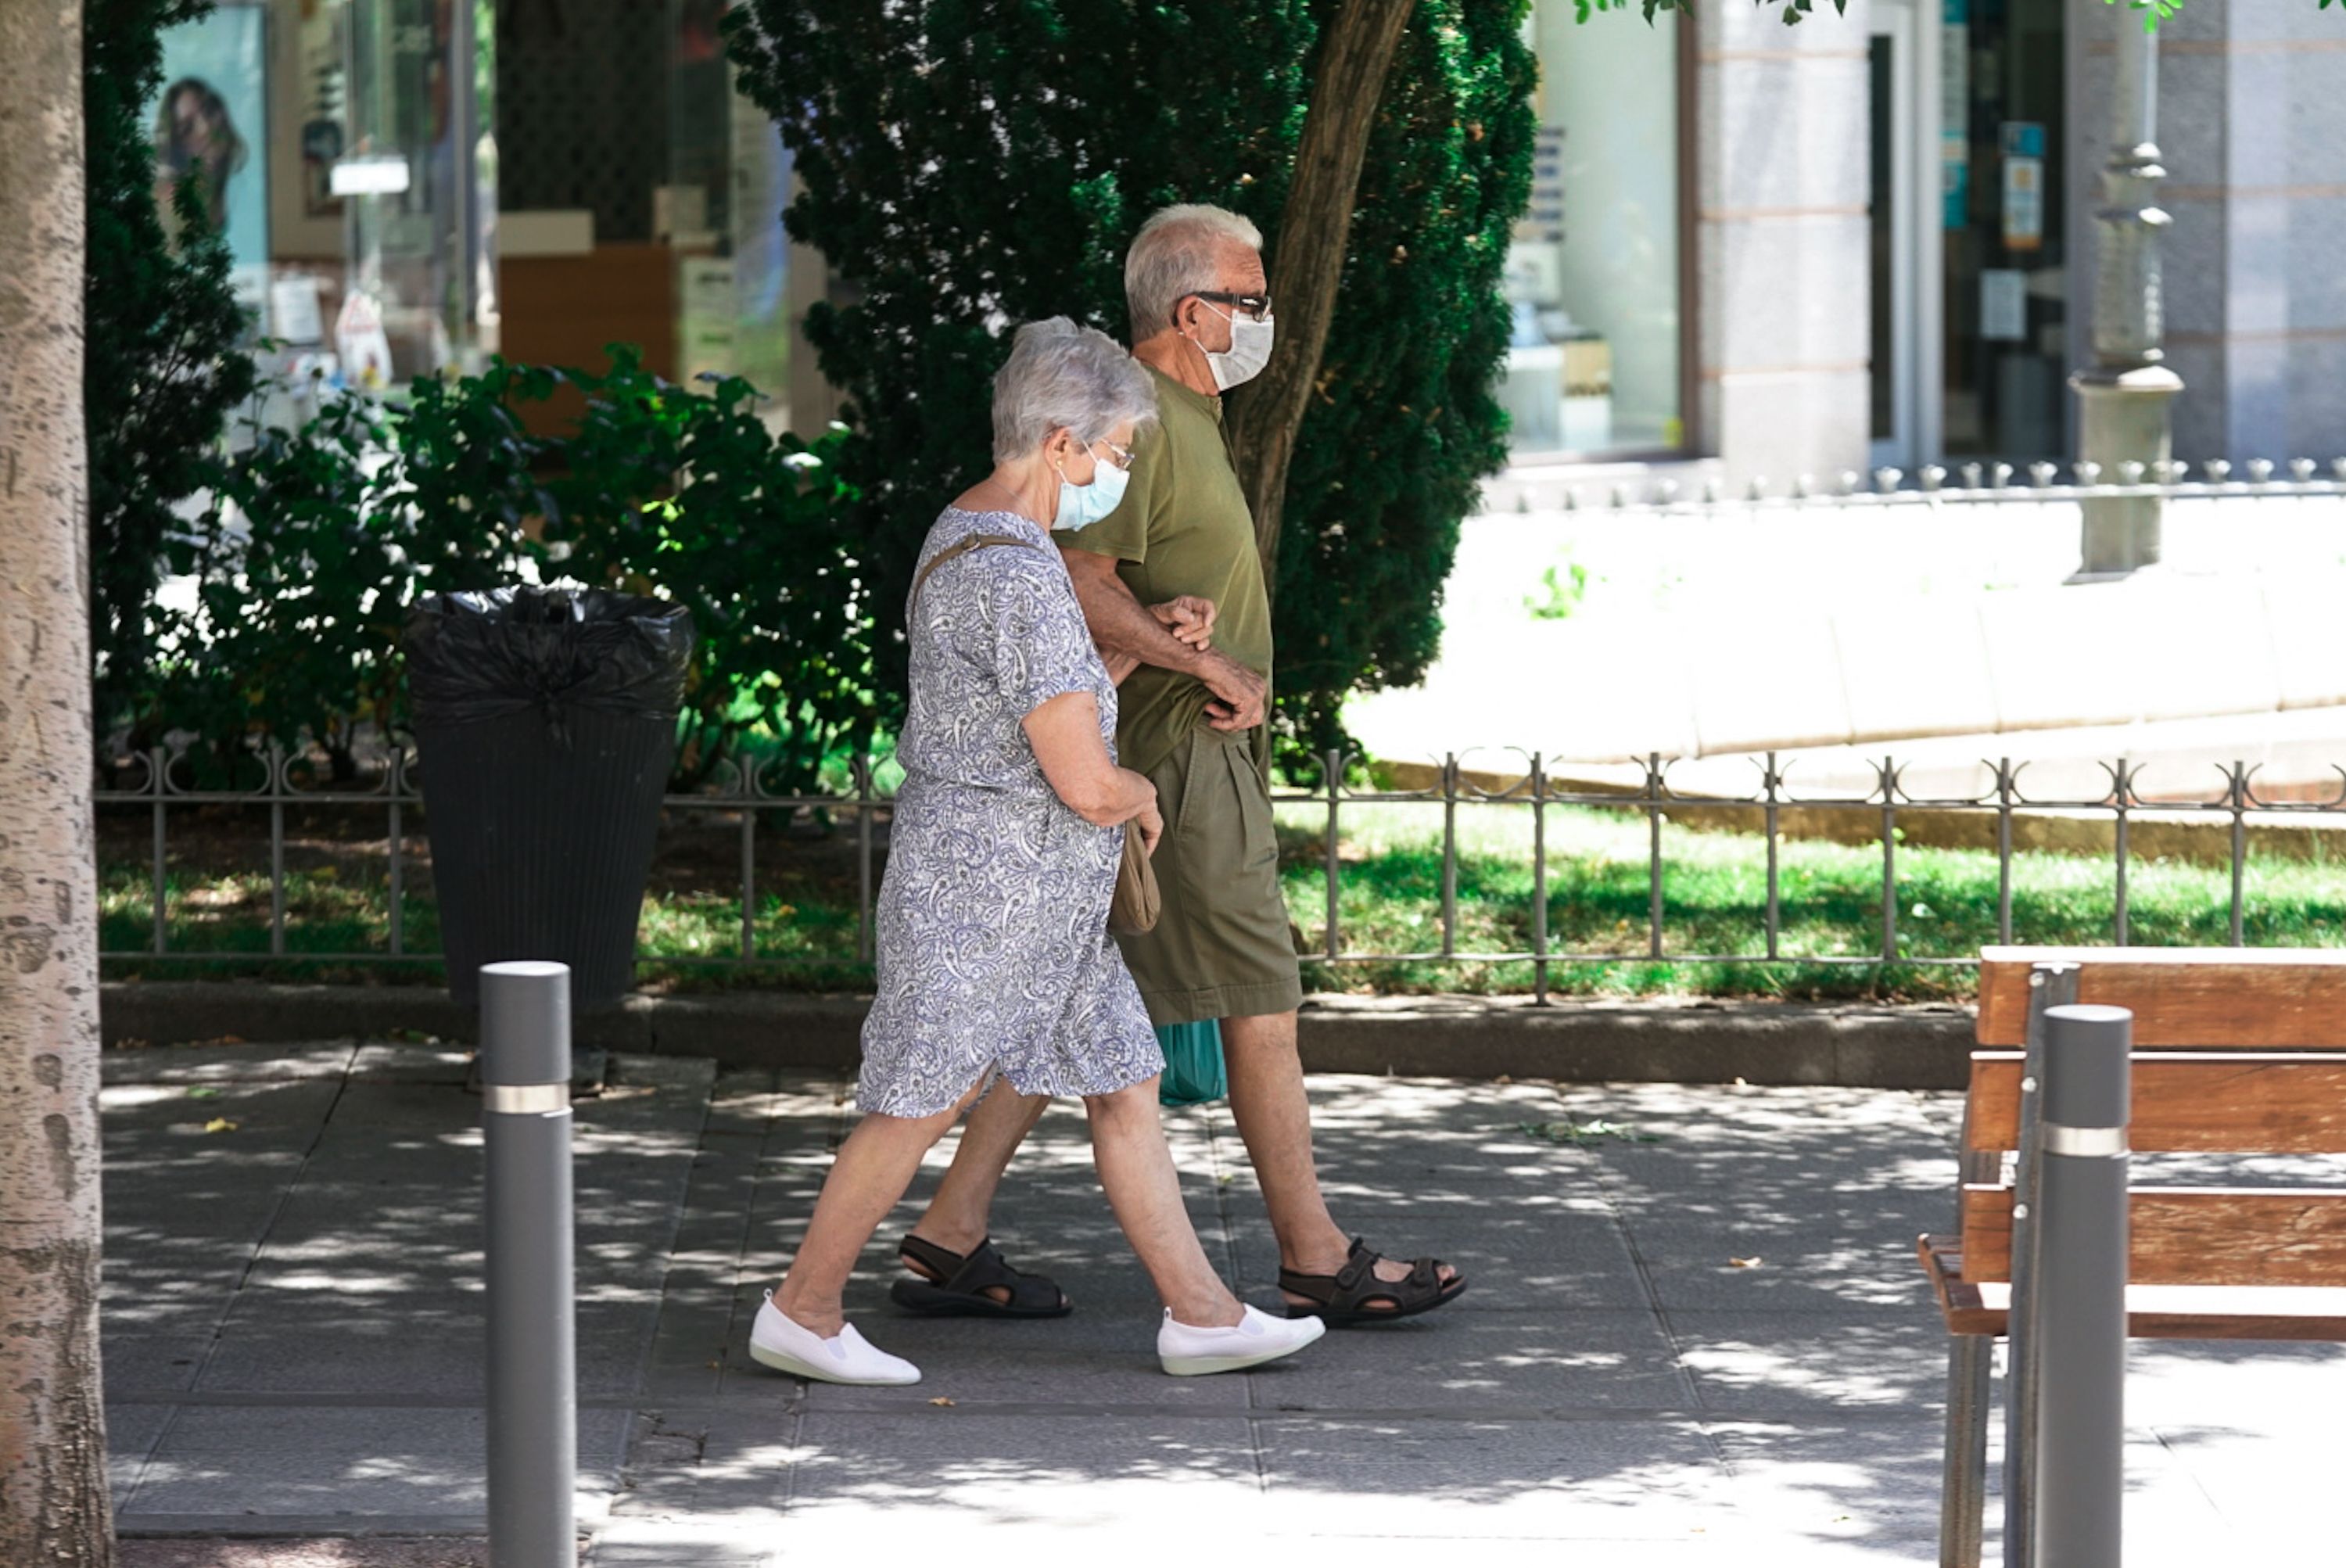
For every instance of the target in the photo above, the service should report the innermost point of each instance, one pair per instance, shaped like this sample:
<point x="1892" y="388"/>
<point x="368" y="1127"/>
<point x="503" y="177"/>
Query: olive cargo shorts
<point x="1221" y="948"/>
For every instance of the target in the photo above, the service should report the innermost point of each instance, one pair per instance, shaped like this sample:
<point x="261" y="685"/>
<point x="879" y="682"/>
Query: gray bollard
<point x="533" y="1363"/>
<point x="2080" y="1297"/>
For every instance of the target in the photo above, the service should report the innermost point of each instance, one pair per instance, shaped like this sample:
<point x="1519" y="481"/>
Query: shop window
<point x="341" y="147"/>
<point x="1595" y="367"/>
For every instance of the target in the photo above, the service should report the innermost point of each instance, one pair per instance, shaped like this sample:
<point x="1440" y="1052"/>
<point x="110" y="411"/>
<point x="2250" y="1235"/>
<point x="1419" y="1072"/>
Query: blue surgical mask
<point x="1081" y="506"/>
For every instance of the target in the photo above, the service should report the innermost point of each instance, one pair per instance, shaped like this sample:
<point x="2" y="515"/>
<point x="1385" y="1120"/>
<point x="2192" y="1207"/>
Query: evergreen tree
<point x="164" y="366"/>
<point x="971" y="164"/>
<point x="1394" y="449"/>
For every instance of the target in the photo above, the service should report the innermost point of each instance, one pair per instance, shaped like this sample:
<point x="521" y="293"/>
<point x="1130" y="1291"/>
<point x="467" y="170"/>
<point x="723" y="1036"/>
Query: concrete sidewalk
<point x="293" y="1345"/>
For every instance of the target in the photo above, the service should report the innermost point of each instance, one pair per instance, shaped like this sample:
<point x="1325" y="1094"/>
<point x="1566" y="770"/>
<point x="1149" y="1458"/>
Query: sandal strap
<point x="983" y="1270"/>
<point x="1353" y="1287"/>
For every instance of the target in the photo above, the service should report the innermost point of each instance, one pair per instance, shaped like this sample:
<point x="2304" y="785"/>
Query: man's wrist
<point x="1200" y="663"/>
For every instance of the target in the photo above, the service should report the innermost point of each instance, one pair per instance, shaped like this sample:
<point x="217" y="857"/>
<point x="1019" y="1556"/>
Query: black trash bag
<point x="477" y="656"/>
<point x="545" y="723"/>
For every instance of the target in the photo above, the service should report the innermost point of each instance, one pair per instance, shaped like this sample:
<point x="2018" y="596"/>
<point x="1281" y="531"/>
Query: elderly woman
<point x="993" y="953"/>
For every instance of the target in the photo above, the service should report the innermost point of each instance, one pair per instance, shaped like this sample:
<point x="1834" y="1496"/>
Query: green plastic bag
<point x="1194" y="1073"/>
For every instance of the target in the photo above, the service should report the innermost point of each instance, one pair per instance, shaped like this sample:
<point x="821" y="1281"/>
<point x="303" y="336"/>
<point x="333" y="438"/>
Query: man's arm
<point x="1126" y="629"/>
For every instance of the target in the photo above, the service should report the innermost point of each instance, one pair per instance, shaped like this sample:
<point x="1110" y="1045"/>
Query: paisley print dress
<point x="992" y="947"/>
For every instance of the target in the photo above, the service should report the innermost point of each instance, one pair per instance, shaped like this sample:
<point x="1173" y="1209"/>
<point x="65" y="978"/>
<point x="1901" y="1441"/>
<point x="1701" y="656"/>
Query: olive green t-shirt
<point x="1182" y="527"/>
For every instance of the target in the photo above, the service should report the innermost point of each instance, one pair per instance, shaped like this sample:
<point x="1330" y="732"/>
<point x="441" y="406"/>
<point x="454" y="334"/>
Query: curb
<point x="1418" y="1036"/>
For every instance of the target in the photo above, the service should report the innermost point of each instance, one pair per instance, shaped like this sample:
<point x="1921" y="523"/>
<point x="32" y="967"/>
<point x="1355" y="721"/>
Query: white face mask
<point x="1248" y="351"/>
<point x="1081" y="506"/>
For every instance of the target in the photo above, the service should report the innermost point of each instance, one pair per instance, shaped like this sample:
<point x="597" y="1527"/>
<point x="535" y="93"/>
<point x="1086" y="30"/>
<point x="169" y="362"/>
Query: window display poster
<point x="2023" y="185"/>
<point x="211" y="125"/>
<point x="710" y="311"/>
<point x="1954" y="113"/>
<point x="1543" y="219"/>
<point x="2003" y="304"/>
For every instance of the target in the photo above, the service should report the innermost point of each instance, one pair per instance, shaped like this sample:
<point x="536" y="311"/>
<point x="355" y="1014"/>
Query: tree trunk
<point x="53" y="1511"/>
<point x="1308" y="258"/>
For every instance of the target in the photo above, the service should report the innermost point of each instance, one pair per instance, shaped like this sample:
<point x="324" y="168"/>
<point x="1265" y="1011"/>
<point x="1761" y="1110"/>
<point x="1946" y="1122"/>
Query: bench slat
<point x="2193" y="1103"/>
<point x="2191" y="1236"/>
<point x="2195" y="998"/>
<point x="2153" y="1311"/>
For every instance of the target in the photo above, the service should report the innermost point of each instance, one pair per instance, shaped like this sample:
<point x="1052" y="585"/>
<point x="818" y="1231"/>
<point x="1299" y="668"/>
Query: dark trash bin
<point x="546" y="727"/>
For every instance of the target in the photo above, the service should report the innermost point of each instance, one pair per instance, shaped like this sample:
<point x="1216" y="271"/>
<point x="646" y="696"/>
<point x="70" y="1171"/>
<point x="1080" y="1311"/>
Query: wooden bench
<point x="2237" y="1052"/>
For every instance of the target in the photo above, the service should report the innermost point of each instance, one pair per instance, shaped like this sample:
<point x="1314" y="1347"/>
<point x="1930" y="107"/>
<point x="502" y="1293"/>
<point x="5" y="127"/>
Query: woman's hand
<point x="1189" y="618"/>
<point x="1152" y="825"/>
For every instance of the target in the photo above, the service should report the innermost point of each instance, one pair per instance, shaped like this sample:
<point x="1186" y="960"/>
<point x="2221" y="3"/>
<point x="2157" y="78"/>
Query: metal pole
<point x="533" y="1362"/>
<point x="2125" y="398"/>
<point x="2079" y="1482"/>
<point x="2050" y="985"/>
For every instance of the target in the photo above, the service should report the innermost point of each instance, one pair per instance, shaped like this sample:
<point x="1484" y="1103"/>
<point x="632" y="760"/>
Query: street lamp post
<point x="2127" y="397"/>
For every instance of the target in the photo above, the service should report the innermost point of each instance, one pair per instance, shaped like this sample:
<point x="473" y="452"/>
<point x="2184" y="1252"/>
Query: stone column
<point x="2126" y="395"/>
<point x="1784" y="336"/>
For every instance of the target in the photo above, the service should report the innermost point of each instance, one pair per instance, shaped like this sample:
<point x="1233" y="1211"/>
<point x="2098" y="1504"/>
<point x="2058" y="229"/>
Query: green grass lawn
<point x="1714" y="902"/>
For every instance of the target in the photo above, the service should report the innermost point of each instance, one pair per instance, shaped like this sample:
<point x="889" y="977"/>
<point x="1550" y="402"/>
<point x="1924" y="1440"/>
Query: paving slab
<point x="1617" y="1481"/>
<point x="294" y="1335"/>
<point x="333" y="1552"/>
<point x="1531" y="1260"/>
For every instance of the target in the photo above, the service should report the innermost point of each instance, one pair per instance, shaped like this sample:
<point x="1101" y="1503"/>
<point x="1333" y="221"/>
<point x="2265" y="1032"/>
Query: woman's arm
<point x="1065" y="733"/>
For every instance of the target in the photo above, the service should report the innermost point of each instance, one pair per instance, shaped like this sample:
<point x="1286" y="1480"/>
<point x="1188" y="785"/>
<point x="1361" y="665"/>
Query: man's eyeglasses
<point x="1255" y="305"/>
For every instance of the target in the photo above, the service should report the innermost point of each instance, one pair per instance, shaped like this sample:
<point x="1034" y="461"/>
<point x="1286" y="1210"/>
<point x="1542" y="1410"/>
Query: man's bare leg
<point x="959" y="1216"/>
<point x="1274" y="1116"/>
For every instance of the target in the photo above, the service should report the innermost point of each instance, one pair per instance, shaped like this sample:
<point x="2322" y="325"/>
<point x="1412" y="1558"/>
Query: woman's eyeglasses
<point x="1120" y="457"/>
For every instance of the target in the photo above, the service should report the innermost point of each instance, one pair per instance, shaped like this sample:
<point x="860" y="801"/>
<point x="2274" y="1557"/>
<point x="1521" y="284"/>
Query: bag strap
<point x="961" y="548"/>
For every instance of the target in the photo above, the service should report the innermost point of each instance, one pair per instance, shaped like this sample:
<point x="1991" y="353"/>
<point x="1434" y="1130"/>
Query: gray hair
<point x="1061" y="376"/>
<point x="1178" y="253"/>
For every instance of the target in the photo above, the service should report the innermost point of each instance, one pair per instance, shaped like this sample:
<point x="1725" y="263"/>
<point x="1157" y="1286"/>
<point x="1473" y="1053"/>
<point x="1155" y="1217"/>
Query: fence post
<point x="2080" y="1469"/>
<point x="533" y="1392"/>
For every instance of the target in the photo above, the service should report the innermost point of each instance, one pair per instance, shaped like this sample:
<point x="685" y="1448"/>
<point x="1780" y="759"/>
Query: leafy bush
<point x="691" y="497"/>
<point x="317" y="538"/>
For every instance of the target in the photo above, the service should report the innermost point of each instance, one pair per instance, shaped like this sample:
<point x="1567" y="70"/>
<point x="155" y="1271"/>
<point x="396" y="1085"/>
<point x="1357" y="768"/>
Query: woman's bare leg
<point x="1136" y="1170"/>
<point x="874" y="1168"/>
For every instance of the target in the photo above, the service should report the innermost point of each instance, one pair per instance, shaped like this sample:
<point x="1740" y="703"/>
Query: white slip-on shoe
<point x="847" y="1358"/>
<point x="1190" y="1352"/>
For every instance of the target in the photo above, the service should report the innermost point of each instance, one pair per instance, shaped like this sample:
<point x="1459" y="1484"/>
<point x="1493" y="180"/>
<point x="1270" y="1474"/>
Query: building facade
<point x="1767" y="251"/>
<point x="1878" y="228"/>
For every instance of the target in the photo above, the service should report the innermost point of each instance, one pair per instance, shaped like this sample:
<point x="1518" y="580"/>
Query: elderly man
<point x="1192" y="719"/>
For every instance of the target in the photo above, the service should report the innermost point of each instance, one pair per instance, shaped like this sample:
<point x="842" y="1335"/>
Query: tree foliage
<point x="163" y="370"/>
<point x="971" y="164"/>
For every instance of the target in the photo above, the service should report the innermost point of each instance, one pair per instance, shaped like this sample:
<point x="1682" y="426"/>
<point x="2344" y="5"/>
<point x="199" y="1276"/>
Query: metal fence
<point x="1528" y="787"/>
<point x="1982" y="482"/>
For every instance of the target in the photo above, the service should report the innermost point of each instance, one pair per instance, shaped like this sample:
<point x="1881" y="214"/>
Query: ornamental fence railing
<point x="1527" y="785"/>
<point x="1977" y="482"/>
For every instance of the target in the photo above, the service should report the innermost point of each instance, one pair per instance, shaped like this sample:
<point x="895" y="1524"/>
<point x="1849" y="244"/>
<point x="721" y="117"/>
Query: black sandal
<point x="959" y="1285"/>
<point x="1347" y="1297"/>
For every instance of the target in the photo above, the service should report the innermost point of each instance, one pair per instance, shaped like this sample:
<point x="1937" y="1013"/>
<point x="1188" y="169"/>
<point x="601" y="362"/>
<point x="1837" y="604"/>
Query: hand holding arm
<point x="1190" y="619"/>
<point x="1130" y="634"/>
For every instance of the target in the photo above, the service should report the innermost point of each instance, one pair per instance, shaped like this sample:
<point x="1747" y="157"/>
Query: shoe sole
<point x="1206" y="1366"/>
<point x="783" y="1361"/>
<point x="932" y="1301"/>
